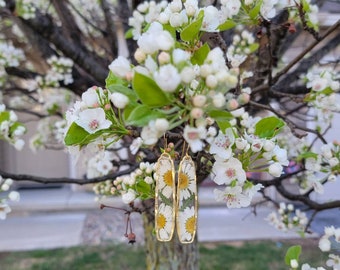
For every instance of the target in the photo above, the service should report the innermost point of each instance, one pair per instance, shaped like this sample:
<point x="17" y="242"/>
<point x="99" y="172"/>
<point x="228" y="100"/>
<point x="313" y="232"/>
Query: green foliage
<point x="307" y="155"/>
<point x="141" y="115"/>
<point x="191" y="32"/>
<point x="144" y="190"/>
<point x="75" y="135"/>
<point x="228" y="24"/>
<point x="268" y="127"/>
<point x="123" y="90"/>
<point x="293" y="253"/>
<point x="112" y="79"/>
<point x="255" y="11"/>
<point x="148" y="91"/>
<point x="200" y="55"/>
<point x="222" y="118"/>
<point x="4" y="116"/>
<point x="259" y="255"/>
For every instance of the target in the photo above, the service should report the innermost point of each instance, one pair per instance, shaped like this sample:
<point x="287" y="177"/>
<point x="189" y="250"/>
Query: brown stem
<point x="66" y="180"/>
<point x="304" y="52"/>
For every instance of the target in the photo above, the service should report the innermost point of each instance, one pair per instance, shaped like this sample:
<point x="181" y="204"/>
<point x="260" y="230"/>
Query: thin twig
<point x="303" y="53"/>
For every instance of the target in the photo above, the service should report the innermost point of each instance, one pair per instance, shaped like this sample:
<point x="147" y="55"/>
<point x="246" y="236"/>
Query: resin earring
<point x="165" y="203"/>
<point x="186" y="212"/>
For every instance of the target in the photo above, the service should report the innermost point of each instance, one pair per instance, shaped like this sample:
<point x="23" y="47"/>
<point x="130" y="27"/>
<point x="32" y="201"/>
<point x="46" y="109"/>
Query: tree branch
<point x="110" y="27"/>
<point x="93" y="64"/>
<point x="304" y="52"/>
<point x="66" y="180"/>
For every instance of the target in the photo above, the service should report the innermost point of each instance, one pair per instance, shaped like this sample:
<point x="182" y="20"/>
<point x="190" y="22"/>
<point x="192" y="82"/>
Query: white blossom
<point x="222" y="144"/>
<point x="275" y="169"/>
<point x="119" y="100"/>
<point x="324" y="244"/>
<point x="93" y="120"/>
<point x="167" y="78"/>
<point x="194" y="136"/>
<point x="129" y="196"/>
<point x="224" y="172"/>
<point x="232" y="196"/>
<point x="120" y="66"/>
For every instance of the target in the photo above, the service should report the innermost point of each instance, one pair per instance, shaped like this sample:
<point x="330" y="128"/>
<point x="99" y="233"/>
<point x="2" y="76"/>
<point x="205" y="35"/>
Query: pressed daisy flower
<point x="164" y="222"/>
<point x="165" y="174"/>
<point x="186" y="221"/>
<point x="186" y="179"/>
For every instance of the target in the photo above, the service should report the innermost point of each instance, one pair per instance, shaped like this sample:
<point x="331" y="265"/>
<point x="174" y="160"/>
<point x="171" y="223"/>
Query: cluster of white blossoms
<point x="99" y="165"/>
<point x="287" y="218"/>
<point x="12" y="196"/>
<point x="179" y="14"/>
<point x="137" y="185"/>
<point x="190" y="80"/>
<point x="242" y="45"/>
<point x="320" y="167"/>
<point x="324" y="95"/>
<point x="235" y="156"/>
<point x="92" y="111"/>
<point x="9" y="57"/>
<point x="327" y="241"/>
<point x="60" y="71"/>
<point x="331" y="232"/>
<point x="10" y="129"/>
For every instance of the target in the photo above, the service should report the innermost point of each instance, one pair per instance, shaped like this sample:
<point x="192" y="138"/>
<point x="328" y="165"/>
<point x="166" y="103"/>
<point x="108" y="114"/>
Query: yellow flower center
<point x="161" y="221"/>
<point x="168" y="179"/>
<point x="183" y="181"/>
<point x="190" y="225"/>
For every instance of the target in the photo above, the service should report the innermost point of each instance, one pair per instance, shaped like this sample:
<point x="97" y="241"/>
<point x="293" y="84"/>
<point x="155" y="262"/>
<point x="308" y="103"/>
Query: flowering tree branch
<point x="65" y="180"/>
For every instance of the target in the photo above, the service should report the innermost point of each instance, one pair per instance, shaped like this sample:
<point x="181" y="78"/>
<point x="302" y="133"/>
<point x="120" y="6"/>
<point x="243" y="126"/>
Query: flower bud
<point x="139" y="55"/>
<point x="211" y="81"/>
<point x="199" y="100"/>
<point x="232" y="104"/>
<point x="196" y="113"/>
<point x="119" y="100"/>
<point x="163" y="58"/>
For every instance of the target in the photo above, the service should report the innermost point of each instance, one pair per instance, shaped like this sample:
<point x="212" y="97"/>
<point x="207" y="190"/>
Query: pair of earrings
<point x="175" y="206"/>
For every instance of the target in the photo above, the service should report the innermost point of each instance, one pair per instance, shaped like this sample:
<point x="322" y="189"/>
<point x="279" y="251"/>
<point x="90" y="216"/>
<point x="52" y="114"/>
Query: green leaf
<point x="228" y="24"/>
<point x="75" y="135"/>
<point x="254" y="12"/>
<point x="123" y="90"/>
<point x="148" y="91"/>
<point x="307" y="155"/>
<point x="15" y="125"/>
<point x="200" y="55"/>
<point x="222" y="118"/>
<point x="165" y="200"/>
<point x="4" y="116"/>
<point x="268" y="127"/>
<point x="223" y="125"/>
<point x="113" y="79"/>
<point x="221" y="115"/>
<point x="190" y="32"/>
<point x="327" y="91"/>
<point x="305" y="6"/>
<point x="253" y="47"/>
<point x="143" y="188"/>
<point x="129" y="34"/>
<point x="293" y="253"/>
<point x="170" y="29"/>
<point x="142" y="115"/>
